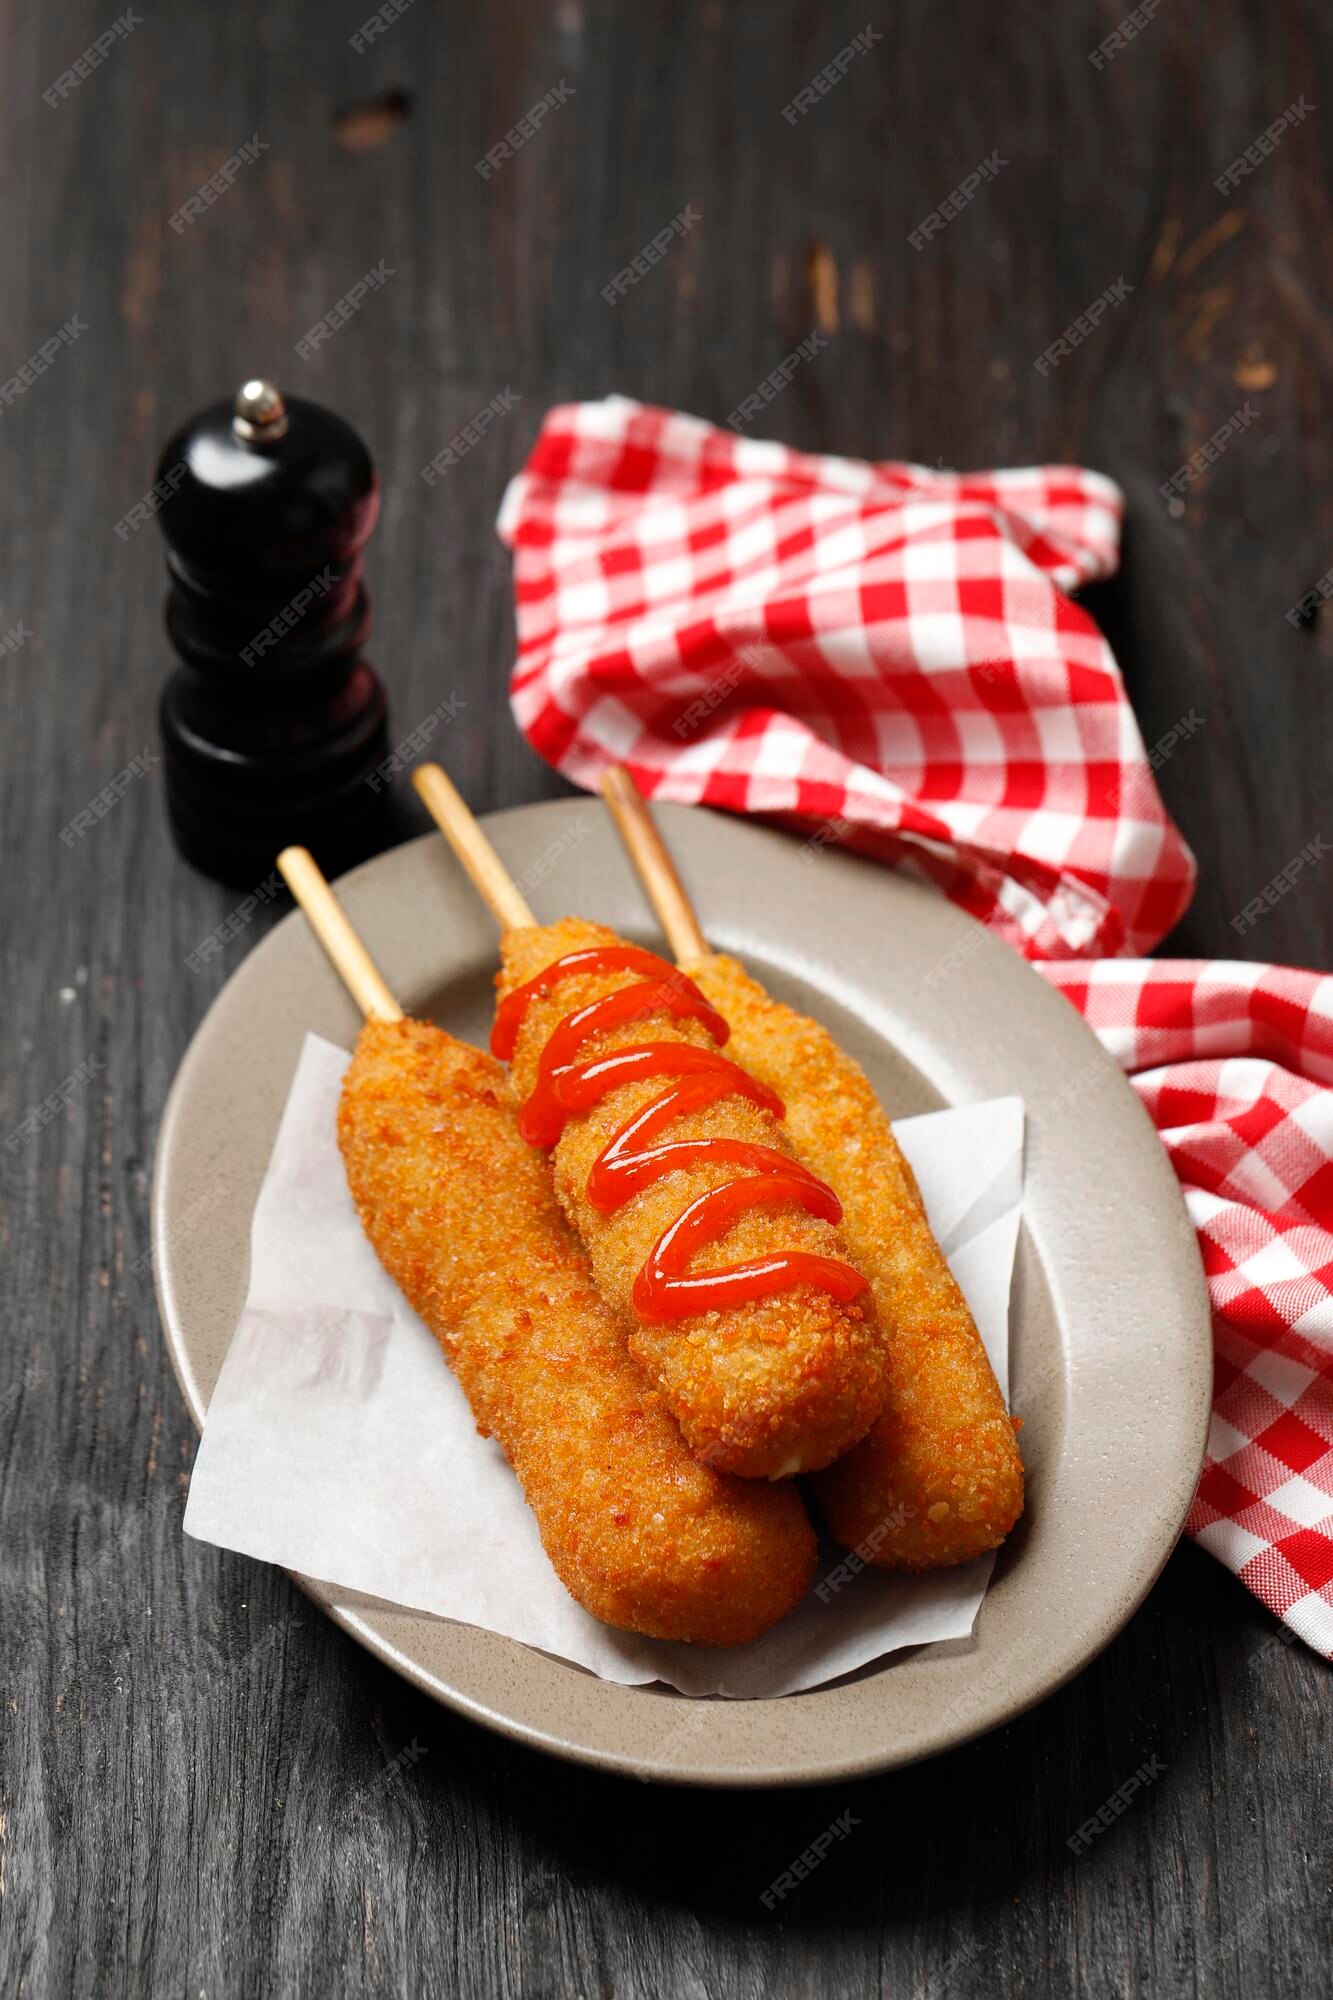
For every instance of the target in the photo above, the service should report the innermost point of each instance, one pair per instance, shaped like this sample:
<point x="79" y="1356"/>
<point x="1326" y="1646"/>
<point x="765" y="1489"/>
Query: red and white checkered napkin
<point x="1234" y="1064"/>
<point x="886" y="656"/>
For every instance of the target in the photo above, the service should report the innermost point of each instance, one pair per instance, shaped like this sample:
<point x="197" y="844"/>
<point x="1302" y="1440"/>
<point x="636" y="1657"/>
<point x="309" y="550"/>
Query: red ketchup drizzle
<point x="637" y="1156"/>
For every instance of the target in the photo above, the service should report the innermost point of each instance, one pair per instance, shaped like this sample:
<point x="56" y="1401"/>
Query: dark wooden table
<point x="193" y="1789"/>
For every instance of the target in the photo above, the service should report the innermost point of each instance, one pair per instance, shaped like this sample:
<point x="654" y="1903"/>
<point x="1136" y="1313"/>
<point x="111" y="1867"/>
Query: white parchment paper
<point x="338" y="1443"/>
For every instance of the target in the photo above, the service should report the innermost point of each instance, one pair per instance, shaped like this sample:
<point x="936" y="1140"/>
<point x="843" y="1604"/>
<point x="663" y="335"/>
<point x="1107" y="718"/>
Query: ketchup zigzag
<point x="637" y="1155"/>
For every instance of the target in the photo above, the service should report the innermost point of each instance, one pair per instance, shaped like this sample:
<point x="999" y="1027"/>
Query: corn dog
<point x="461" y="1213"/>
<point x="939" y="1478"/>
<point x="770" y="1357"/>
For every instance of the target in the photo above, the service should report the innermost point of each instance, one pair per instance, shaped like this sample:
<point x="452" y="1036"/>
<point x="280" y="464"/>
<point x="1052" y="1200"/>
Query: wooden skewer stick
<point x="490" y="878"/>
<point x="656" y="870"/>
<point x="328" y="920"/>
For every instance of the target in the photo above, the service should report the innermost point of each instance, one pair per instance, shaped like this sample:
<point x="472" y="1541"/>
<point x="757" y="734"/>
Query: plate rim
<point x="992" y="954"/>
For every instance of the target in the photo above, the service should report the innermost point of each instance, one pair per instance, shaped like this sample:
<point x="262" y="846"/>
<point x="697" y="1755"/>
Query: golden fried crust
<point x="939" y="1478"/>
<point x="765" y="1389"/>
<point x="461" y="1214"/>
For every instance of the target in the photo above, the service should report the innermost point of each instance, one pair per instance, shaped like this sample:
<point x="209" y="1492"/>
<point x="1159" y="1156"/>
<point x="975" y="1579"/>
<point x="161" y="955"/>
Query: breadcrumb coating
<point x="765" y="1389"/>
<point x="461" y="1214"/>
<point x="939" y="1479"/>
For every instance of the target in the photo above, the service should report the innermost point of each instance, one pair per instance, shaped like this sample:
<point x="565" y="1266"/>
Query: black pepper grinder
<point x="274" y="728"/>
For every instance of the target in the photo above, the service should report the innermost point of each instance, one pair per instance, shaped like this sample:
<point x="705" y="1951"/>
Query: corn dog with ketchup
<point x="715" y="1244"/>
<point x="461" y="1213"/>
<point x="939" y="1478"/>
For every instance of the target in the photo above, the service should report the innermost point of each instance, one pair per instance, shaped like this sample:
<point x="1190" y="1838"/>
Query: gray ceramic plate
<point x="1111" y="1355"/>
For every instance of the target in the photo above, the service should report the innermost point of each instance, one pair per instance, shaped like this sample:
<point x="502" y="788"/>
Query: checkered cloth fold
<point x="887" y="656"/>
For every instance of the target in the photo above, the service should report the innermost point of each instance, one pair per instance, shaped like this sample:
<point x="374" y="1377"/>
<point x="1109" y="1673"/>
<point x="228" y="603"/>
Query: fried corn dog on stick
<point x="461" y="1213"/>
<point x="718" y="1250"/>
<point x="762" y="1386"/>
<point x="939" y="1478"/>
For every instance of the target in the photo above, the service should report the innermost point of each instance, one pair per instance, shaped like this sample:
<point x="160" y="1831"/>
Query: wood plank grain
<point x="203" y="1787"/>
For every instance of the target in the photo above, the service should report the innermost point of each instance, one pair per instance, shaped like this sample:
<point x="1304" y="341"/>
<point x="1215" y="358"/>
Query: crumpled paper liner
<point x="338" y="1443"/>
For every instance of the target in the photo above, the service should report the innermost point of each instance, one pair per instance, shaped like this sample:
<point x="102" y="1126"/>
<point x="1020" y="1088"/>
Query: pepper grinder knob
<point x="261" y="415"/>
<point x="274" y="726"/>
